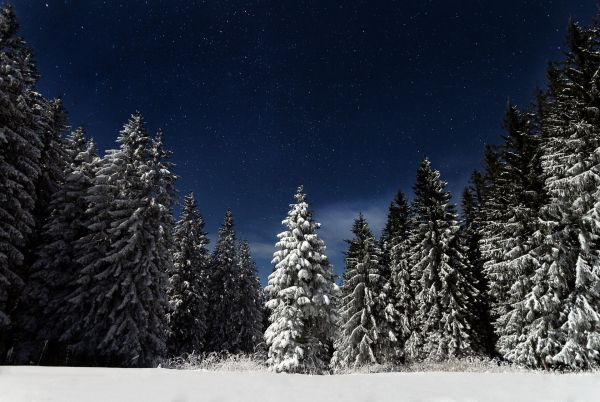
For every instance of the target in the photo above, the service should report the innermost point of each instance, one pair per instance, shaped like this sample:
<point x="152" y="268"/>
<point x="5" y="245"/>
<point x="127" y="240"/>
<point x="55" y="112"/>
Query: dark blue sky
<point x="256" y="97"/>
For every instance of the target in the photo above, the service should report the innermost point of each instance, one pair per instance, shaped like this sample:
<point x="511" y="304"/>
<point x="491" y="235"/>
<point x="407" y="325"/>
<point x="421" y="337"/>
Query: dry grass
<point x="256" y="362"/>
<point x="217" y="362"/>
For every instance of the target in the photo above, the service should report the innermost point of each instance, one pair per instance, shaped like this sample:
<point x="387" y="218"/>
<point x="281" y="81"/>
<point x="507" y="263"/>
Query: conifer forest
<point x="105" y="262"/>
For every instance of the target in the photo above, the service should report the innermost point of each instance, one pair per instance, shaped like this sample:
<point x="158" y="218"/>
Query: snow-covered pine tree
<point x="187" y="283"/>
<point x="513" y="213"/>
<point x="395" y="229"/>
<point x="444" y="294"/>
<point x="397" y="291"/>
<point x="300" y="290"/>
<point x="55" y="263"/>
<point x="249" y="302"/>
<point x="472" y="200"/>
<point x="404" y="284"/>
<point x="492" y="202"/>
<point x="561" y="310"/>
<point x="223" y="289"/>
<point x="358" y="321"/>
<point x="52" y="158"/>
<point x="20" y="146"/>
<point x="120" y="295"/>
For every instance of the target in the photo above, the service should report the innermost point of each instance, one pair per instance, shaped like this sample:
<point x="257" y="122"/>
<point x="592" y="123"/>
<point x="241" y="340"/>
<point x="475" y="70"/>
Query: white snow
<point x="71" y="384"/>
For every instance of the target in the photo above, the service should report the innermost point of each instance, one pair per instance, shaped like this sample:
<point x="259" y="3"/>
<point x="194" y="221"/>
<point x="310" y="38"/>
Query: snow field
<point x="73" y="384"/>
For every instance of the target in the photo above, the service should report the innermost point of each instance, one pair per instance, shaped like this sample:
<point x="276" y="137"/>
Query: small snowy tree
<point x="300" y="292"/>
<point x="444" y="293"/>
<point x="187" y="282"/>
<point x="223" y="289"/>
<point x="358" y="322"/>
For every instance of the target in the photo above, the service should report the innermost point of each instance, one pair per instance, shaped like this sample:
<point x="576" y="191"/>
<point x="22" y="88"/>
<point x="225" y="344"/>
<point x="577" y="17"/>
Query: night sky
<point x="257" y="97"/>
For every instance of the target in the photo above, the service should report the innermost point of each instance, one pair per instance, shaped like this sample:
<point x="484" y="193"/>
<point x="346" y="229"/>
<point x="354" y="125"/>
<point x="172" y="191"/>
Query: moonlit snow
<point x="73" y="384"/>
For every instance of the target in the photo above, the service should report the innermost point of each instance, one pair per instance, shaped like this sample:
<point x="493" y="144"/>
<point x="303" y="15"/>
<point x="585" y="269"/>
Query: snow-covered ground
<point x="66" y="384"/>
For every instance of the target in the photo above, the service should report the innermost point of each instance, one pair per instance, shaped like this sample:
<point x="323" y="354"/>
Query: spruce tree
<point x="358" y="321"/>
<point x="513" y="210"/>
<point x="55" y="264"/>
<point x="472" y="200"/>
<point x="444" y="297"/>
<point x="20" y="146"/>
<point x="399" y="308"/>
<point x="249" y="302"/>
<point x="301" y="291"/>
<point x="395" y="229"/>
<point x="223" y="289"/>
<point x="120" y="294"/>
<point x="53" y="158"/>
<point x="187" y="283"/>
<point x="559" y="312"/>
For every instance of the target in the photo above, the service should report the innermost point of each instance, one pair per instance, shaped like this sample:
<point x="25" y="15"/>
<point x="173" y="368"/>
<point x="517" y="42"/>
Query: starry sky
<point x="256" y="97"/>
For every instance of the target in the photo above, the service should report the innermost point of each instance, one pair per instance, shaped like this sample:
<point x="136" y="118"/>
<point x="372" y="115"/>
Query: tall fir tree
<point x="53" y="158"/>
<point x="55" y="263"/>
<point x="513" y="206"/>
<point x="560" y="310"/>
<point x="120" y="293"/>
<point x="20" y="146"/>
<point x="223" y="289"/>
<point x="396" y="228"/>
<point x="188" y="282"/>
<point x="358" y="321"/>
<point x="472" y="200"/>
<point x="444" y="297"/>
<point x="301" y="292"/>
<point x="249" y="302"/>
<point x="394" y="268"/>
<point x="404" y="285"/>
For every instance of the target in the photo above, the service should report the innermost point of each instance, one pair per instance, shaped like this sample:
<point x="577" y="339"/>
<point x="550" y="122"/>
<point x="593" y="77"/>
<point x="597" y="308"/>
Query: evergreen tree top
<point x="428" y="186"/>
<point x="362" y="233"/>
<point x="133" y="137"/>
<point x="397" y="220"/>
<point x="8" y="26"/>
<point x="300" y="194"/>
<point x="225" y="247"/>
<point x="190" y="208"/>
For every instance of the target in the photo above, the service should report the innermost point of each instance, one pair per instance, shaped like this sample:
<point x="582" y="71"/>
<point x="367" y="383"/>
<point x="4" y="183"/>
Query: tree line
<point x="94" y="269"/>
<point x="516" y="276"/>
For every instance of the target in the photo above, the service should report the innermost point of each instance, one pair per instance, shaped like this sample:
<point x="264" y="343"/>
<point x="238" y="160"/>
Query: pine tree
<point x="517" y="196"/>
<point x="395" y="229"/>
<point x="223" y="289"/>
<point x="561" y="324"/>
<point x="55" y="263"/>
<point x="187" y="283"/>
<point x="249" y="302"/>
<point x="300" y="290"/>
<point x="20" y="146"/>
<point x="444" y="295"/>
<point x="397" y="277"/>
<point x="53" y="158"/>
<point x="472" y="200"/>
<point x="120" y="295"/>
<point x="358" y="321"/>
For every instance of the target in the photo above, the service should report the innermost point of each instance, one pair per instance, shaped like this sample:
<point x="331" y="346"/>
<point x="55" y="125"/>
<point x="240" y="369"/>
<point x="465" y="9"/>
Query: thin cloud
<point x="336" y="224"/>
